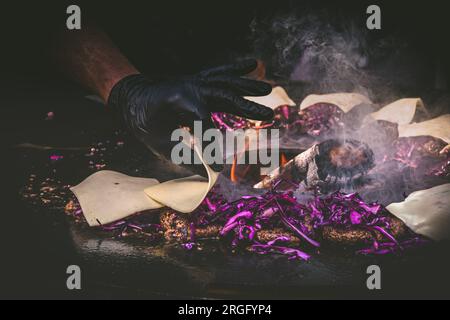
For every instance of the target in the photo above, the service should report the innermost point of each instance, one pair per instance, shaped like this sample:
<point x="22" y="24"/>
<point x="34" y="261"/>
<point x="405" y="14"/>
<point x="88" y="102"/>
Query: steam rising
<point x="312" y="54"/>
<point x="324" y="53"/>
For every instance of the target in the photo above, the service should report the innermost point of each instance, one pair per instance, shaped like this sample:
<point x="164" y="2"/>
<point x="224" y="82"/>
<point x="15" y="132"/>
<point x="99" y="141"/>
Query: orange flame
<point x="233" y="170"/>
<point x="283" y="159"/>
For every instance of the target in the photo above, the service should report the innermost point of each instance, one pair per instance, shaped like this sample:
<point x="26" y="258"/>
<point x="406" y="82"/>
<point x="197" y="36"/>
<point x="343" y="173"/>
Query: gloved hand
<point x="153" y="109"/>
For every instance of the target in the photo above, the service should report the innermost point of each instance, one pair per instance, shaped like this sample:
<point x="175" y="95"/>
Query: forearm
<point x="89" y="57"/>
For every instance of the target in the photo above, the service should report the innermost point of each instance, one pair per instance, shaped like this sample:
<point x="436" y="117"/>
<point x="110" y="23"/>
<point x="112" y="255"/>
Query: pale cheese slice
<point x="107" y="196"/>
<point x="185" y="194"/>
<point x="400" y="111"/>
<point x="437" y="127"/>
<point x="345" y="101"/>
<point x="276" y="98"/>
<point x="426" y="212"/>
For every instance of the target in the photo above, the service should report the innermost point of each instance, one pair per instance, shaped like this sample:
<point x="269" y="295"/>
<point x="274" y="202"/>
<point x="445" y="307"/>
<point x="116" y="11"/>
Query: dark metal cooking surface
<point x="126" y="268"/>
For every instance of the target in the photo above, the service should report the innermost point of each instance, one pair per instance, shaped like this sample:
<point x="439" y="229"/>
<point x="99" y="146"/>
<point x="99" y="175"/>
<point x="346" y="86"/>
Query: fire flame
<point x="283" y="159"/>
<point x="233" y="170"/>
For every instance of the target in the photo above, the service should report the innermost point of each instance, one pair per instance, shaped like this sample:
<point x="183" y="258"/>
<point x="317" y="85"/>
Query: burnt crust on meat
<point x="177" y="228"/>
<point x="357" y="157"/>
<point x="360" y="235"/>
<point x="210" y="231"/>
<point x="271" y="234"/>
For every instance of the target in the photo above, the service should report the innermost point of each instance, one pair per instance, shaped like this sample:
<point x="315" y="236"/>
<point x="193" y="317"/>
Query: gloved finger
<point x="239" y="86"/>
<point x="223" y="101"/>
<point x="188" y="109"/>
<point x="239" y="68"/>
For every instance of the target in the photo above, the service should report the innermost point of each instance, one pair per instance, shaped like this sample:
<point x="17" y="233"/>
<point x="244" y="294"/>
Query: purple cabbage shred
<point x="242" y="219"/>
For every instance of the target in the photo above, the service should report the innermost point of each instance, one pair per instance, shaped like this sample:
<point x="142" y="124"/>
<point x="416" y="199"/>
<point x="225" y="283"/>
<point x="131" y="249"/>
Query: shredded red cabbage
<point x="315" y="120"/>
<point x="442" y="169"/>
<point x="242" y="219"/>
<point x="227" y="121"/>
<point x="421" y="151"/>
<point x="320" y="118"/>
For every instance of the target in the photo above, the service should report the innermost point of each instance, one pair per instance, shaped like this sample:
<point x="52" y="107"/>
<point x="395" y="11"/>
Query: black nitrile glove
<point x="153" y="109"/>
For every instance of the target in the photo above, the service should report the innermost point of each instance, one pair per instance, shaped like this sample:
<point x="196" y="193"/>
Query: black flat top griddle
<point x="115" y="268"/>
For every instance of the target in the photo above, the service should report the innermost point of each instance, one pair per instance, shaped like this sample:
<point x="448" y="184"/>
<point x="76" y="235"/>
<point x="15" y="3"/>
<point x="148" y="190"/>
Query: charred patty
<point x="360" y="235"/>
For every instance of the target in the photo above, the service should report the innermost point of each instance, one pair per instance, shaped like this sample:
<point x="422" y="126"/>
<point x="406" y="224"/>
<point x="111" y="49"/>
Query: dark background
<point x="182" y="36"/>
<point x="168" y="37"/>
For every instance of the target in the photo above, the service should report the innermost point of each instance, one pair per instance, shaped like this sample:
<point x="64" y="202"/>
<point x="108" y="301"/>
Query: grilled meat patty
<point x="266" y="235"/>
<point x="360" y="235"/>
<point x="177" y="228"/>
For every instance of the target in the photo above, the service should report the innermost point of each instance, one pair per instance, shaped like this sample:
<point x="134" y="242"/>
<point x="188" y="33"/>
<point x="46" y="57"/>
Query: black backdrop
<point x="184" y="36"/>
